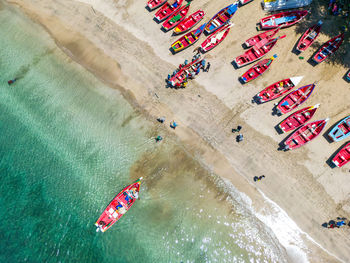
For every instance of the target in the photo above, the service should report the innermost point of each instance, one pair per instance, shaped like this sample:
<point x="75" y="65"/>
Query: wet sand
<point x="120" y="43"/>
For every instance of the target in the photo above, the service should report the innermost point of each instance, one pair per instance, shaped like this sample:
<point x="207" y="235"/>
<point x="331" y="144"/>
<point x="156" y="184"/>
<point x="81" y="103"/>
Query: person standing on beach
<point x="208" y="67"/>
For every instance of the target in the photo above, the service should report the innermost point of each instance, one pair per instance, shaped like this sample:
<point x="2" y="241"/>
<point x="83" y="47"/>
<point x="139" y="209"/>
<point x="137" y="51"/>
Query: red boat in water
<point x="216" y="38"/>
<point x="118" y="206"/>
<point x="304" y="134"/>
<point x="294" y="99"/>
<point x="256" y="52"/>
<point x="221" y="18"/>
<point x="309" y="37"/>
<point x="328" y="48"/>
<point x="176" y="17"/>
<point x="189" y="22"/>
<point x="258" y="69"/>
<point x="298" y="118"/>
<point x="153" y="4"/>
<point x="343" y="156"/>
<point x="264" y="35"/>
<point x="187" y="40"/>
<point x="283" y="19"/>
<point x="277" y="89"/>
<point x="167" y="10"/>
<point x="187" y="72"/>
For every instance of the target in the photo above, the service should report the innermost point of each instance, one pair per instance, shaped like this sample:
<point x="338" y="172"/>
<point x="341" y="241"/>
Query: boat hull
<point x="187" y="40"/>
<point x="221" y="18"/>
<point x="343" y="156"/>
<point x="309" y="37"/>
<point x="283" y="19"/>
<point x="257" y="38"/>
<point x="215" y="39"/>
<point x="166" y="10"/>
<point x="340" y="131"/>
<point x="328" y="48"/>
<point x="176" y="18"/>
<point x="154" y="4"/>
<point x="189" y="22"/>
<point x="257" y="70"/>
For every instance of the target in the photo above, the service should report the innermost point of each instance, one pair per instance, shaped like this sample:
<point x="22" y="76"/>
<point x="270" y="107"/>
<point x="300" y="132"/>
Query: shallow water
<point x="68" y="144"/>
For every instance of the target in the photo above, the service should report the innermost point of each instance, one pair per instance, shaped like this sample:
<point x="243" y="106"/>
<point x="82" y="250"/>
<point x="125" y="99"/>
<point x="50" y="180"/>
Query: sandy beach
<point x="120" y="43"/>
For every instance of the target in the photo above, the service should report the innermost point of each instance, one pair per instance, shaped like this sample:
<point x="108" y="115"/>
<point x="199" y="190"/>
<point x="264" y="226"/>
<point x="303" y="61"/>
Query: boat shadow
<point x="240" y="80"/>
<point x="173" y="52"/>
<point x="345" y="78"/>
<point x="329" y="160"/>
<point x="278" y="129"/>
<point x="281" y="146"/>
<point x="234" y="65"/>
<point x="148" y="9"/>
<point x="325" y="134"/>
<point x="156" y="20"/>
<point x="311" y="61"/>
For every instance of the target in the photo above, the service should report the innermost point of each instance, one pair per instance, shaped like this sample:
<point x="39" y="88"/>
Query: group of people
<point x="341" y="221"/>
<point x="239" y="137"/>
<point x="173" y="125"/>
<point x="336" y="7"/>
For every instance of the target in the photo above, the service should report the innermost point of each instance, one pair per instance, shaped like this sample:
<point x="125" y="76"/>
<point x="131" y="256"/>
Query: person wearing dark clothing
<point x="208" y="67"/>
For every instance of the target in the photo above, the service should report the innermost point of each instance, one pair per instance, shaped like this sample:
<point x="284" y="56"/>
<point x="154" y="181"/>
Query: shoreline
<point x="188" y="133"/>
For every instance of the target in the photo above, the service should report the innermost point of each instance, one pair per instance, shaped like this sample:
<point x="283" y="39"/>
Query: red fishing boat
<point x="187" y="72"/>
<point x="118" y="206"/>
<point x="187" y="40"/>
<point x="258" y="69"/>
<point x="305" y="134"/>
<point x="243" y="2"/>
<point x="309" y="37"/>
<point x="215" y="39"/>
<point x="176" y="18"/>
<point x="153" y="4"/>
<point x="283" y="19"/>
<point x="256" y="52"/>
<point x="294" y="99"/>
<point x="298" y="118"/>
<point x="343" y="156"/>
<point x="264" y="35"/>
<point x="328" y="48"/>
<point x="221" y="18"/>
<point x="277" y="89"/>
<point x="167" y="10"/>
<point x="189" y="22"/>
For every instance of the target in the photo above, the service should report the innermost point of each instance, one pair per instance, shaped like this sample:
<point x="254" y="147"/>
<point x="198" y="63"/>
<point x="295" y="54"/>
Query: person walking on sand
<point x="161" y="119"/>
<point x="173" y="125"/>
<point x="208" y="67"/>
<point x="256" y="178"/>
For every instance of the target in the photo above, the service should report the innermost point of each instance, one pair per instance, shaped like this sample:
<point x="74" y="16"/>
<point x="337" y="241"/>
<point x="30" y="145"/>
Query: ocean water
<point x="69" y="144"/>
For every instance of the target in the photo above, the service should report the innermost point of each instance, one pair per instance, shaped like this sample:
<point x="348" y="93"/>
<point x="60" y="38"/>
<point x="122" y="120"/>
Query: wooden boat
<point x="153" y="4"/>
<point x="244" y="2"/>
<point x="188" y="39"/>
<point x="258" y="69"/>
<point x="341" y="130"/>
<point x="348" y="75"/>
<point x="215" y="39"/>
<point x="328" y="48"/>
<point x="118" y="206"/>
<point x="186" y="72"/>
<point x="305" y="134"/>
<point x="264" y="35"/>
<point x="294" y="99"/>
<point x="343" y="156"/>
<point x="189" y="22"/>
<point x="167" y="9"/>
<point x="176" y="18"/>
<point x="221" y="18"/>
<point x="298" y="118"/>
<point x="277" y="89"/>
<point x="283" y="19"/>
<point x="309" y="37"/>
<point x="256" y="52"/>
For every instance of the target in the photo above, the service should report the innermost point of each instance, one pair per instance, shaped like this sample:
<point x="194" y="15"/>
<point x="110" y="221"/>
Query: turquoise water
<point x="69" y="144"/>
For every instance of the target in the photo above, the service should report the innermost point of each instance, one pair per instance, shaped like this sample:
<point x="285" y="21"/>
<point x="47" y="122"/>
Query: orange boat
<point x="298" y="118"/>
<point x="118" y="206"/>
<point x="305" y="134"/>
<point x="343" y="156"/>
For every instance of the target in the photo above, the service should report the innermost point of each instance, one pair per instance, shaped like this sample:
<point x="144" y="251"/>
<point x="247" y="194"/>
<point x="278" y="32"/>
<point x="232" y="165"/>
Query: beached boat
<point x="305" y="134"/>
<point x="264" y="35"/>
<point x="244" y="2"/>
<point x="221" y="18"/>
<point x="256" y="52"/>
<point x="187" y="72"/>
<point x="277" y="89"/>
<point x="328" y="48"/>
<point x="153" y="4"/>
<point x="176" y="18"/>
<point x="258" y="69"/>
<point x="187" y="40"/>
<point x="343" y="156"/>
<point x="294" y="99"/>
<point x="283" y="19"/>
<point x="189" y="22"/>
<point x="167" y="9"/>
<point x="298" y="118"/>
<point x="348" y="75"/>
<point x="309" y="37"/>
<point x="118" y="206"/>
<point x="341" y="130"/>
<point x="216" y="38"/>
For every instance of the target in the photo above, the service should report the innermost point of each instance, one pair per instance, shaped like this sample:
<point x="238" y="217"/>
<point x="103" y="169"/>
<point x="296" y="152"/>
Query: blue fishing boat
<point x="341" y="130"/>
<point x="221" y="18"/>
